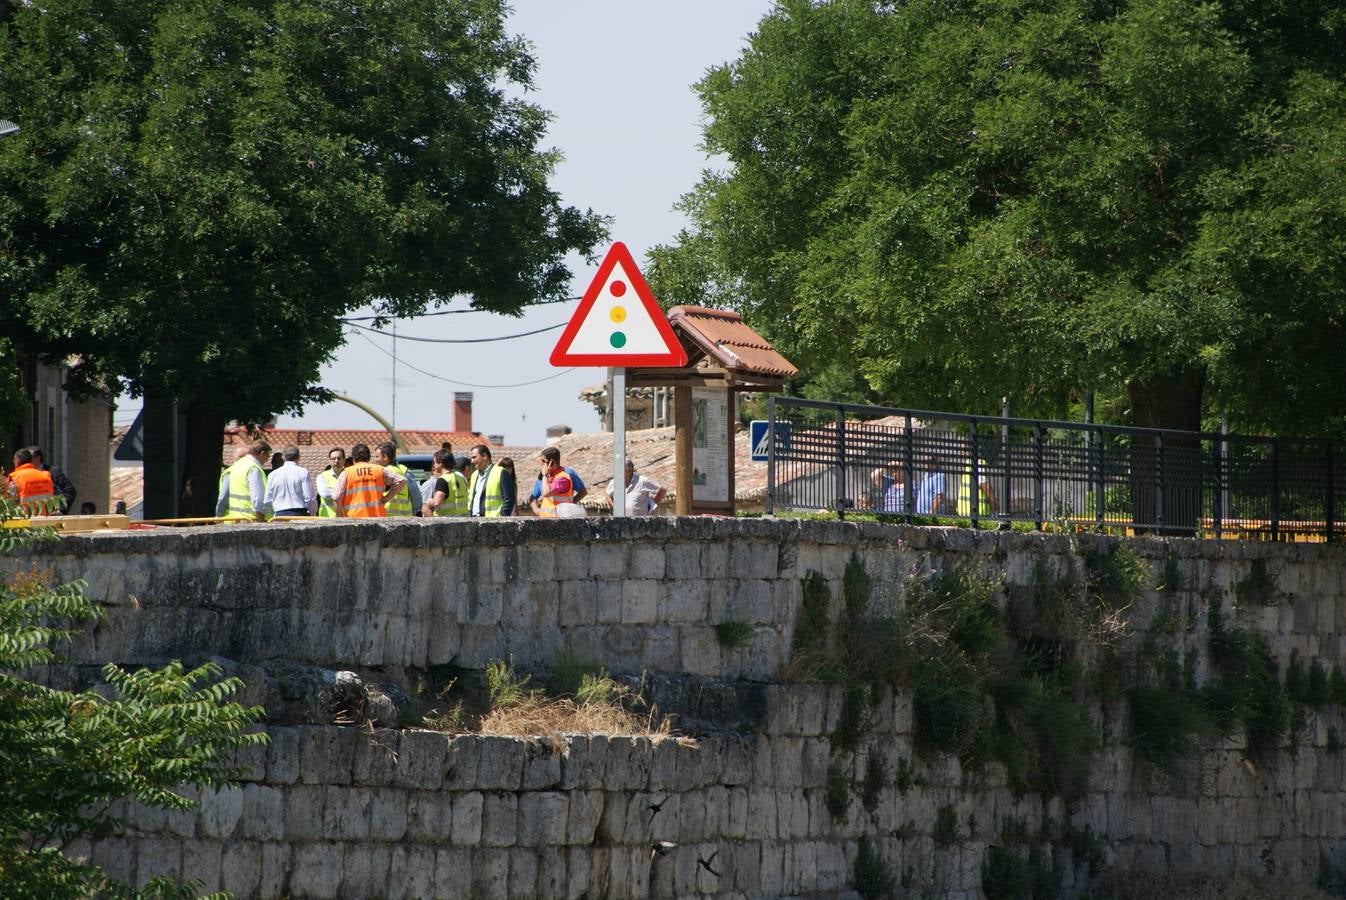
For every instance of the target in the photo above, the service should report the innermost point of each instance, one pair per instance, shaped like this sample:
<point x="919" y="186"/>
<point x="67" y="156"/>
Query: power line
<point x="455" y="312"/>
<point x="464" y="383"/>
<point x="489" y="340"/>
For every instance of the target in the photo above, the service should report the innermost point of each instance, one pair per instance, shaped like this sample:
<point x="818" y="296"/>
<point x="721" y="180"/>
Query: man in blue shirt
<point x="551" y="460"/>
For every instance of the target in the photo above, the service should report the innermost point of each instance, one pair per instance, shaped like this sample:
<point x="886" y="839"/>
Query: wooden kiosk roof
<point x="721" y="350"/>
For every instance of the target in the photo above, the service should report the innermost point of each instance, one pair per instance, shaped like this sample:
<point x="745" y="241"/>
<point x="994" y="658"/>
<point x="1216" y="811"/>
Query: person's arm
<point x="339" y="491"/>
<point x="578" y="484"/>
<point x="257" y="492"/>
<point x="441" y="489"/>
<point x="65" y="488"/>
<point x="509" y="487"/>
<point x="310" y="493"/>
<point x="392" y="480"/>
<point x="222" y="503"/>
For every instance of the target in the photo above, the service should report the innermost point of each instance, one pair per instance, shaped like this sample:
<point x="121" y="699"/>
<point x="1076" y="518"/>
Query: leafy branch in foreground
<point x="66" y="756"/>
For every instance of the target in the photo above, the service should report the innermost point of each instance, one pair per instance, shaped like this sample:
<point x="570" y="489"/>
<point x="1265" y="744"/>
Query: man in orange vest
<point x="31" y="486"/>
<point x="363" y="490"/>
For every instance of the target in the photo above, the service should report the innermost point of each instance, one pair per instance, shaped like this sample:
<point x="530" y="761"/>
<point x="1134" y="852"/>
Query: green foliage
<point x="1170" y="581"/>
<point x="1336" y="686"/>
<point x="1165" y="726"/>
<point x="1117" y="577"/>
<point x="853" y="721"/>
<point x="905" y="776"/>
<point x="503" y="687"/>
<point x="1259" y="587"/>
<point x="598" y="688"/>
<point x="216" y="184"/>
<point x="876" y="775"/>
<point x="1144" y="198"/>
<point x="66" y="756"/>
<point x="856" y="586"/>
<point x="1007" y="875"/>
<point x="873" y="878"/>
<point x="946" y="825"/>
<point x="811" y="629"/>
<point x="734" y="634"/>
<point x="567" y="673"/>
<point x="1249" y="690"/>
<point x="837" y="793"/>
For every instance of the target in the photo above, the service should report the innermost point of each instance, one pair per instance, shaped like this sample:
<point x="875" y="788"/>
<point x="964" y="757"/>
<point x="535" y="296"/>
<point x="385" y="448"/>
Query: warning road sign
<point x="618" y="322"/>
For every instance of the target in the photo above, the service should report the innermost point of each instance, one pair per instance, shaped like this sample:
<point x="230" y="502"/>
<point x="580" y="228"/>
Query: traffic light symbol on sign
<point x="618" y="322"/>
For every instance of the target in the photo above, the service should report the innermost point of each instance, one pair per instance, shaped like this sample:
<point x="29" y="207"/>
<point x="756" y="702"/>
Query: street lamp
<point x="7" y="128"/>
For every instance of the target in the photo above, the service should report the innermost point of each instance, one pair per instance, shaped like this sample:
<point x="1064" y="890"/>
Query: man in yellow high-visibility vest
<point x="243" y="486"/>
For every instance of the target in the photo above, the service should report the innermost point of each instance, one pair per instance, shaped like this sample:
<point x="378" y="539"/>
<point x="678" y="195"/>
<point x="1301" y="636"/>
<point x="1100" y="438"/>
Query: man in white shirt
<point x="642" y="495"/>
<point x="289" y="490"/>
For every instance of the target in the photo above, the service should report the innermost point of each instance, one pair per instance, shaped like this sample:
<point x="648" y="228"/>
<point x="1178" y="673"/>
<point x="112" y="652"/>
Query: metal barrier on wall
<point x="906" y="462"/>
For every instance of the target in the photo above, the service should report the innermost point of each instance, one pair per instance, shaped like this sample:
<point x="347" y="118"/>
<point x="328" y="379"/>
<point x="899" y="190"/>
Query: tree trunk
<point x="1165" y="483"/>
<point x="160" y="440"/>
<point x="200" y="484"/>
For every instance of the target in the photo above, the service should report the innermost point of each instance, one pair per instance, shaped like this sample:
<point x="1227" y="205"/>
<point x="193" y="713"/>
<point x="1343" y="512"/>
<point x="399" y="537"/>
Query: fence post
<point x="1275" y="489"/>
<point x="975" y="499"/>
<point x="1331" y="508"/>
<point x="1217" y="484"/>
<point x="1159" y="477"/>
<point x="1101" y="491"/>
<point x="1040" y="475"/>
<point x="841" y="462"/>
<point x="1007" y="482"/>
<point x="771" y="455"/>
<point x="908" y="495"/>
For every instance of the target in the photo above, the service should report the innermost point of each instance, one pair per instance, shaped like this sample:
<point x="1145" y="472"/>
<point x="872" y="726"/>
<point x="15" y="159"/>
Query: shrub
<point x="837" y="794"/>
<point x="876" y="774"/>
<point x="568" y="673"/>
<point x="1165" y="727"/>
<point x="946" y="826"/>
<point x="734" y="634"/>
<point x="873" y="878"/>
<point x="1116" y="577"/>
<point x="811" y="630"/>
<point x="1005" y="875"/>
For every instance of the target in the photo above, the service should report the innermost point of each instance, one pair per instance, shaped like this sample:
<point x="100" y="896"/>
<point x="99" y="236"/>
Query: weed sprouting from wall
<point x="734" y="634"/>
<point x="873" y="878"/>
<point x="836" y="795"/>
<point x="1259" y="587"/>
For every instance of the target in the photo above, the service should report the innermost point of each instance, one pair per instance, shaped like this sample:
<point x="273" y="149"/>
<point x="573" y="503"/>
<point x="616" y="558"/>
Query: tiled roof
<point x="726" y="338"/>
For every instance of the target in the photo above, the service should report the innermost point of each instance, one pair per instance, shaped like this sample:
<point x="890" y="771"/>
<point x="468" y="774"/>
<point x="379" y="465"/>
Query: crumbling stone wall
<point x="349" y="812"/>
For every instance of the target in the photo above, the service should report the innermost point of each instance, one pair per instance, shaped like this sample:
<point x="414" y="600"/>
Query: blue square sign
<point x="758" y="431"/>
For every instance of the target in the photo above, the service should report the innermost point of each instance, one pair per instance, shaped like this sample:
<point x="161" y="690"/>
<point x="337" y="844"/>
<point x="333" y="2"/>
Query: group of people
<point x="934" y="493"/>
<point x="373" y="484"/>
<point x="38" y="488"/>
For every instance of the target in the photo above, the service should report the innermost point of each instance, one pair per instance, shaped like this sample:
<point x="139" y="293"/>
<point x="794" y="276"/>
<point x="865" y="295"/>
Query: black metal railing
<point x="906" y="462"/>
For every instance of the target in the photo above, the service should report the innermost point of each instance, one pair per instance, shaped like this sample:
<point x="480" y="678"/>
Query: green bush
<point x="946" y="826"/>
<point x="876" y="774"/>
<point x="1166" y="725"/>
<point x="1005" y="875"/>
<point x="1117" y="577"/>
<point x="734" y="634"/>
<point x="856" y="586"/>
<point x="811" y="630"/>
<point x="873" y="878"/>
<point x="837" y="793"/>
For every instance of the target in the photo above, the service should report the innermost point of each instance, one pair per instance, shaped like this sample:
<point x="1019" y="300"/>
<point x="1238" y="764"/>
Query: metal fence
<point x="906" y="462"/>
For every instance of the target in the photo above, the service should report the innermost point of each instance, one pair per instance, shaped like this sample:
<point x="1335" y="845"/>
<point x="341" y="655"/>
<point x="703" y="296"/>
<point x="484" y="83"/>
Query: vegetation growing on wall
<point x="65" y="757"/>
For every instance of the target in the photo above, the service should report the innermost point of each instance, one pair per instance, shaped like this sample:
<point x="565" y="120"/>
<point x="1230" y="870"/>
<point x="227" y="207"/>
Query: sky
<point x="617" y="77"/>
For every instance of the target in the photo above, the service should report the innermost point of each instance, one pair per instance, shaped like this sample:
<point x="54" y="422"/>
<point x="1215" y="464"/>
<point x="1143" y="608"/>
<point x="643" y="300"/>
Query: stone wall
<point x="348" y="812"/>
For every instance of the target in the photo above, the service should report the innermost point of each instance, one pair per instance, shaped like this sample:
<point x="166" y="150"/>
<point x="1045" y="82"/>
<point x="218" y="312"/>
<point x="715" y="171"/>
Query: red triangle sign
<point x="618" y="322"/>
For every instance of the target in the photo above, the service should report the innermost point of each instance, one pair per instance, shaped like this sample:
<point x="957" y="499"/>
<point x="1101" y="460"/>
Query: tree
<point x="203" y="187"/>
<point x="989" y="197"/>
<point x="66" y="756"/>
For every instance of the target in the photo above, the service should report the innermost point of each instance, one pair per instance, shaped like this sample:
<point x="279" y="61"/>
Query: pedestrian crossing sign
<point x="618" y="322"/>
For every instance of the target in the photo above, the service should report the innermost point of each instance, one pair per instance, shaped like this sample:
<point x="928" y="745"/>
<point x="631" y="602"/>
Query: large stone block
<point x="579" y="606"/>
<point x="220" y="811"/>
<point x="429" y="816"/>
<point x="499" y="819"/>
<point x="318" y="870"/>
<point x="542" y="818"/>
<point x="388" y="814"/>
<point x="454" y="873"/>
<point x="584" y="812"/>
<point x="241" y="868"/>
<point x="640" y="601"/>
<point x="411" y="872"/>
<point x="326" y="754"/>
<point x="500" y="762"/>
<point x="421" y="763"/>
<point x="467" y="818"/>
<point x="365" y="870"/>
<point x="490" y="874"/>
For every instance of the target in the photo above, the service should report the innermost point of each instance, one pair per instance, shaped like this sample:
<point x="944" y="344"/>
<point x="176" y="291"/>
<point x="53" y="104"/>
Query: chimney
<point x="462" y="412"/>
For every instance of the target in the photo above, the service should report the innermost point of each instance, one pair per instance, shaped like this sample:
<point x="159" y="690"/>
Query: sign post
<point x="619" y="324"/>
